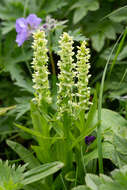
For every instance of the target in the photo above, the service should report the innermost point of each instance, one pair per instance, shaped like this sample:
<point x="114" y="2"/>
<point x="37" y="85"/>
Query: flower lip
<point x="89" y="139"/>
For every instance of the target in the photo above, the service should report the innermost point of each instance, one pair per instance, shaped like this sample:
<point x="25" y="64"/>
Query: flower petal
<point x="21" y="24"/>
<point x="21" y="37"/>
<point x="89" y="139"/>
<point x="33" y="21"/>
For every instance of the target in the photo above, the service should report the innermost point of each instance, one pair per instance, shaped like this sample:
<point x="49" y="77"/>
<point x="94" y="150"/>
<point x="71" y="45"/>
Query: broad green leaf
<point x="41" y="125"/>
<point x="120" y="175"/>
<point x="41" y="155"/>
<point x="109" y="31"/>
<point x="92" y="181"/>
<point x="79" y="14"/>
<point x="112" y="120"/>
<point x="98" y="40"/>
<point x="120" y="144"/>
<point x="82" y="7"/>
<point x="40" y="172"/>
<point x="24" y="154"/>
<point x="93" y="6"/>
<point x="40" y="122"/>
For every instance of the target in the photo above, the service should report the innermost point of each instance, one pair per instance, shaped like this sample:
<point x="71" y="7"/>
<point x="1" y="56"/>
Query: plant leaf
<point x="41" y="172"/>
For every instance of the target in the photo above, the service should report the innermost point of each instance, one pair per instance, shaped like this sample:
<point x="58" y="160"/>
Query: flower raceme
<point x="68" y="100"/>
<point x="72" y="96"/>
<point x="66" y="82"/>
<point x="39" y="64"/>
<point x="83" y="76"/>
<point x="25" y="27"/>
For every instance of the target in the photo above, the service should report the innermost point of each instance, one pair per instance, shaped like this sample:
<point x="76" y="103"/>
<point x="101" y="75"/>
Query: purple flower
<point x="89" y="139"/>
<point x="33" y="21"/>
<point x="25" y="27"/>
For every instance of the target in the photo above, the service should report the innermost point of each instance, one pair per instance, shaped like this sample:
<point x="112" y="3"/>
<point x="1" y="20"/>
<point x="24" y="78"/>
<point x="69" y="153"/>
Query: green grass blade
<point x="99" y="143"/>
<point x="113" y="12"/>
<point x="118" y="50"/>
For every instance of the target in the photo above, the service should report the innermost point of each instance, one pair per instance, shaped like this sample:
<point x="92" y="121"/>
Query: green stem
<point x="99" y="139"/>
<point x="27" y="63"/>
<point x="50" y="55"/>
<point x="52" y="62"/>
<point x="64" y="186"/>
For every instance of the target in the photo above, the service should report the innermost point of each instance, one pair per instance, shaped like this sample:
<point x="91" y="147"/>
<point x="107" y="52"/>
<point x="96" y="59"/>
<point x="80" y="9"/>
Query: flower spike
<point x="39" y="64"/>
<point x="66" y="82"/>
<point x="83" y="66"/>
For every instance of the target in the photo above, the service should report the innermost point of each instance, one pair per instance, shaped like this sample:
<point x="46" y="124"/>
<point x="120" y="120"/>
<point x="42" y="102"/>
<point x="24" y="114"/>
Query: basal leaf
<point x="24" y="154"/>
<point x="98" y="41"/>
<point x="41" y="172"/>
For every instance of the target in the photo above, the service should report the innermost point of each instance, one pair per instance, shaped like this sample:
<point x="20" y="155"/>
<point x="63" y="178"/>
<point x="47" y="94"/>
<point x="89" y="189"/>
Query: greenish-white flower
<point x="39" y="64"/>
<point x="83" y="65"/>
<point x="66" y="76"/>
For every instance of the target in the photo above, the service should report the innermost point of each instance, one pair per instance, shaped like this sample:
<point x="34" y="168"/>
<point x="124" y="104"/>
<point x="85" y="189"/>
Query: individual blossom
<point x="66" y="76"/>
<point x="89" y="139"/>
<point x="83" y="76"/>
<point x="39" y="64"/>
<point x="25" y="27"/>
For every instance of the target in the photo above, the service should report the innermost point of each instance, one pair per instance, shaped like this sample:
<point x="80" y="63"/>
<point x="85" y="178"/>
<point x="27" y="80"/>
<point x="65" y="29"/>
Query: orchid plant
<point x="63" y="127"/>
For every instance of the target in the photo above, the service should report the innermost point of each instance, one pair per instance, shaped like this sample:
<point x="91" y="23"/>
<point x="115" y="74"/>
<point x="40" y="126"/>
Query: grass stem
<point x="99" y="138"/>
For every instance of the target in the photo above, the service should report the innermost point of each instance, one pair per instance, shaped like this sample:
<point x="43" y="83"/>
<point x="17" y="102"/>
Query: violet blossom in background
<point x="89" y="139"/>
<point x="25" y="27"/>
